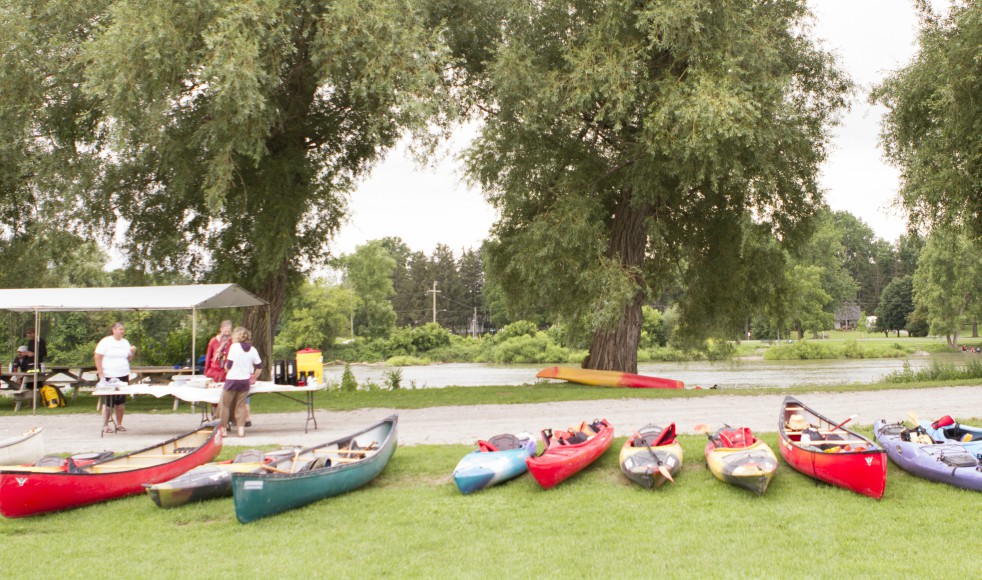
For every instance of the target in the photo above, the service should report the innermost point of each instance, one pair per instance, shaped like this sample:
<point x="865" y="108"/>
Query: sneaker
<point x="248" y="424"/>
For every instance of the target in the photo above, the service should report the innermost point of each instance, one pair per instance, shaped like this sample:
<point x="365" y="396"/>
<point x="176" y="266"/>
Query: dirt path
<point x="80" y="433"/>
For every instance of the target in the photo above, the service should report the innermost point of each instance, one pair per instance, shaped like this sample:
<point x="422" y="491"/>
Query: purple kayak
<point x="910" y="448"/>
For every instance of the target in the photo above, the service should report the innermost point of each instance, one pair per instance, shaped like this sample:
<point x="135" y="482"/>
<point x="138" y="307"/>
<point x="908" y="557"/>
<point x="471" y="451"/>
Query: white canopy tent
<point x="188" y="297"/>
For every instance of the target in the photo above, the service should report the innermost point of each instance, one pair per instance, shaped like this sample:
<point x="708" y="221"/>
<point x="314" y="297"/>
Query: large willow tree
<point x="629" y="141"/>
<point x="214" y="138"/>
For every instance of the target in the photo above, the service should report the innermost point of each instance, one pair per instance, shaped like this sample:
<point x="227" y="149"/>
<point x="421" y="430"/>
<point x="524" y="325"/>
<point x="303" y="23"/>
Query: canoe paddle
<point x="839" y="426"/>
<point x="661" y="465"/>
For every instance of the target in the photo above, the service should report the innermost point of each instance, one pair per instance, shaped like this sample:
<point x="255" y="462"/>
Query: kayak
<point x="498" y="459"/>
<point x="824" y="450"/>
<point x="569" y="452"/>
<point x="736" y="457"/>
<point x="946" y="430"/>
<point x="651" y="456"/>
<point x="315" y="473"/>
<point x="31" y="490"/>
<point x="209" y="481"/>
<point x="915" y="452"/>
<point x="27" y="447"/>
<point x="608" y="378"/>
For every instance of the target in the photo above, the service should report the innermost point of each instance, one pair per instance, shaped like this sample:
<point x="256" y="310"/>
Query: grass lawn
<point x="335" y="400"/>
<point x="412" y="522"/>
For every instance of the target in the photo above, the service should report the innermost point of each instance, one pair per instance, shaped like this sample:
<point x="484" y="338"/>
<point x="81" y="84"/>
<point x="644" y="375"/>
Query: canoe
<point x="822" y="449"/>
<point x="31" y="490"/>
<point x="564" y="457"/>
<point x="651" y="456"/>
<point x="27" y="447"/>
<point x="949" y="463"/>
<point x="210" y="481"/>
<point x="315" y="473"/>
<point x="498" y="459"/>
<point x="608" y="378"/>
<point x="736" y="457"/>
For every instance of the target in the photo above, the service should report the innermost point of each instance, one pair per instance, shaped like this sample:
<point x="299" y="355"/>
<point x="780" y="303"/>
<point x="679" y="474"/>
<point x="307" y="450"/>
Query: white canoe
<point x="25" y="448"/>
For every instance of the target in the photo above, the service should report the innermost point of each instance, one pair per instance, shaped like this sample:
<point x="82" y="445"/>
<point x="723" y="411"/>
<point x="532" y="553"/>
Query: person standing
<point x="244" y="366"/>
<point x="215" y="357"/>
<point x="42" y="349"/>
<point x="112" y="361"/>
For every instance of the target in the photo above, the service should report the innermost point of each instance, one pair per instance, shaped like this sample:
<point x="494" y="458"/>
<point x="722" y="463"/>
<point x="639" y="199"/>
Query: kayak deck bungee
<point x="651" y="456"/>
<point x="569" y="452"/>
<point x="608" y="378"/>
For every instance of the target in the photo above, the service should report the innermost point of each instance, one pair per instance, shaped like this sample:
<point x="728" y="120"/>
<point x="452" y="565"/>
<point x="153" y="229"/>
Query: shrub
<point x="348" y="382"/>
<point x="406" y="361"/>
<point x="529" y="349"/>
<point x="393" y="379"/>
<point x="719" y="349"/>
<point x="516" y="329"/>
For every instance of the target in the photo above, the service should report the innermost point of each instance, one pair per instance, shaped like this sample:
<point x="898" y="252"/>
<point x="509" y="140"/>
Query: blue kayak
<point x="915" y="452"/>
<point x="946" y="430"/>
<point x="498" y="459"/>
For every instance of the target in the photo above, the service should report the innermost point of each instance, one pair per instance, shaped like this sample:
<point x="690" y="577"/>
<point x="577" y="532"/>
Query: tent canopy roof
<point x="188" y="297"/>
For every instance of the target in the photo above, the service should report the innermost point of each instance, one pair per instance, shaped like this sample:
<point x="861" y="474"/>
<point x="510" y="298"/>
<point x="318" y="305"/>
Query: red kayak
<point x="568" y="452"/>
<point x="33" y="489"/>
<point x="825" y="450"/>
<point x="608" y="378"/>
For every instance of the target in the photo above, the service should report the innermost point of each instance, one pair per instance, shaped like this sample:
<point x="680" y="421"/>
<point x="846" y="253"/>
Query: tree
<point x="625" y="139"/>
<point x="315" y="316"/>
<point x="896" y="304"/>
<point x="930" y="130"/>
<point x="369" y="271"/>
<point x="947" y="283"/>
<point x="224" y="137"/>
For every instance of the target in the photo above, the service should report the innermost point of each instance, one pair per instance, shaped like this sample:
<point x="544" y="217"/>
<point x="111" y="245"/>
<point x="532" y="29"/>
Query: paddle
<point x="913" y="418"/>
<point x="839" y="426"/>
<point x="662" y="469"/>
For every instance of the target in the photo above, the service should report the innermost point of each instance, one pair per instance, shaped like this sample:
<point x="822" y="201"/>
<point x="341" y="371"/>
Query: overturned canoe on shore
<point x="27" y="447"/>
<point x="608" y="378"/>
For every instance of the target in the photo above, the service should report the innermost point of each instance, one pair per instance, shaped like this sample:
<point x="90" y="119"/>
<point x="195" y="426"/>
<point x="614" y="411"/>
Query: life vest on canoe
<point x="574" y="435"/>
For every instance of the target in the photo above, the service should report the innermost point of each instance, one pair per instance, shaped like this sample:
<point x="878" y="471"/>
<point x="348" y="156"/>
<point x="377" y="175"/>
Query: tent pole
<point x="37" y="338"/>
<point x="269" y="344"/>
<point x="194" y="336"/>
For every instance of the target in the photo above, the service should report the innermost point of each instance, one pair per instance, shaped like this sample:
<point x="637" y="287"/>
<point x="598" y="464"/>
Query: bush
<point x="719" y="349"/>
<point x="406" y="361"/>
<point x="348" y="382"/>
<point x="516" y="329"/>
<point x="529" y="349"/>
<point x="937" y="372"/>
<point x="393" y="379"/>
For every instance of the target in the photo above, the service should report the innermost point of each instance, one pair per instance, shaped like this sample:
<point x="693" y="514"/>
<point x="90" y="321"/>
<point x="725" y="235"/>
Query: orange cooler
<point x="311" y="360"/>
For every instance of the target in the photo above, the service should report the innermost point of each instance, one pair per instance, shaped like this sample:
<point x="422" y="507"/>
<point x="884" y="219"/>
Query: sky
<point x="433" y="205"/>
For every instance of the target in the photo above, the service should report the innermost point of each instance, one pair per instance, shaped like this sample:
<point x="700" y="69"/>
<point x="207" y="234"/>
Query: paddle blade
<point x="913" y="418"/>
<point x="701" y="428"/>
<point x="663" y="469"/>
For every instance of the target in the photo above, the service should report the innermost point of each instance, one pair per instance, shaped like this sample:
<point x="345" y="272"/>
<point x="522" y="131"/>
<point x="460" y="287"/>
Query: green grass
<point x="336" y="400"/>
<point x="412" y="522"/>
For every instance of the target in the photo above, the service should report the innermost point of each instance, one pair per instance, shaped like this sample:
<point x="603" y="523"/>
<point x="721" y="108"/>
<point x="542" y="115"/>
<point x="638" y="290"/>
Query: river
<point x="743" y="374"/>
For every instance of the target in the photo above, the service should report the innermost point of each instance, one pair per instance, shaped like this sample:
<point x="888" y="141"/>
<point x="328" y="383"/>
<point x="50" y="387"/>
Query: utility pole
<point x="434" y="291"/>
<point x="474" y="324"/>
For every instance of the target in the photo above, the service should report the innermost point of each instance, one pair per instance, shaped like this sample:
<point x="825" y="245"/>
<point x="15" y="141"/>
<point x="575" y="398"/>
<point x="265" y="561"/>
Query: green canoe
<point x="315" y="473"/>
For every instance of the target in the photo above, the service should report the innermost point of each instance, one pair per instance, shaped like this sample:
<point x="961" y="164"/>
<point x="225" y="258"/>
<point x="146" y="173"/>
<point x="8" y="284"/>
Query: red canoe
<point x="31" y="490"/>
<point x="608" y="378"/>
<point x="823" y="449"/>
<point x="564" y="456"/>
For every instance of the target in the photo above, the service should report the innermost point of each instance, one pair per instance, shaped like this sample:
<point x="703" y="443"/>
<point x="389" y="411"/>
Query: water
<point x="747" y="374"/>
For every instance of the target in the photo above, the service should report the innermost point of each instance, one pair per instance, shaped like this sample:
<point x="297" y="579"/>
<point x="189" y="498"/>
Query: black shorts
<point x="116" y="400"/>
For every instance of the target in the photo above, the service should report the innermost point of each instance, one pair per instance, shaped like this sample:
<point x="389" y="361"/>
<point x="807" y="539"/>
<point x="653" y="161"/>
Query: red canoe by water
<point x="31" y="490"/>
<point x="608" y="378"/>
<point x="567" y="453"/>
<point x="822" y="449"/>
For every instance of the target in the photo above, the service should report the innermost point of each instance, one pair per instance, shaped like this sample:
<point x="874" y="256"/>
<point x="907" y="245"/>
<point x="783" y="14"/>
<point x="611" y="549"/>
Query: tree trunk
<point x="616" y="349"/>
<point x="273" y="292"/>
<point x="975" y="329"/>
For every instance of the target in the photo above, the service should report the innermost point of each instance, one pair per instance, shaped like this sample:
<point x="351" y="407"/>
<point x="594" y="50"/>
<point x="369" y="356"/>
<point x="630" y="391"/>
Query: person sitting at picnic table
<point x="244" y="366"/>
<point x="23" y="362"/>
<point x="42" y="349"/>
<point x="112" y="361"/>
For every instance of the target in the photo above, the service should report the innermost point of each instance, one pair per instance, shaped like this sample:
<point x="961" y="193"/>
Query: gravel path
<point x="80" y="433"/>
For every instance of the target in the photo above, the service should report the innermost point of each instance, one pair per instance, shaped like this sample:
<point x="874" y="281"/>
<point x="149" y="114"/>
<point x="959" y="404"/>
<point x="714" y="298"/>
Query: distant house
<point x="847" y="316"/>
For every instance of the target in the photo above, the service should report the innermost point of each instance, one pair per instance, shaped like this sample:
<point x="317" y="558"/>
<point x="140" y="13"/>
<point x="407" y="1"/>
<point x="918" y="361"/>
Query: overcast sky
<point x="427" y="206"/>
